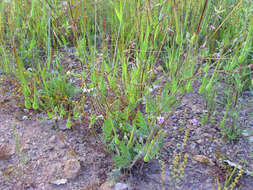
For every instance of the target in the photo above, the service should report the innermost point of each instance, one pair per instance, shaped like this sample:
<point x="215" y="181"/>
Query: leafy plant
<point x="137" y="58"/>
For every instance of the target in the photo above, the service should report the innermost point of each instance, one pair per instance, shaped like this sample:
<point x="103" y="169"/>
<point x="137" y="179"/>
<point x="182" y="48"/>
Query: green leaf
<point x="124" y="159"/>
<point x="124" y="72"/>
<point x="188" y="86"/>
<point x="68" y="124"/>
<point x="165" y="99"/>
<point x="150" y="105"/>
<point x="116" y="139"/>
<point x="35" y="101"/>
<point x="140" y="120"/>
<point x="208" y="86"/>
<point x="130" y="142"/>
<point x="146" y="158"/>
<point x="27" y="103"/>
<point x="107" y="129"/>
<point x="173" y="87"/>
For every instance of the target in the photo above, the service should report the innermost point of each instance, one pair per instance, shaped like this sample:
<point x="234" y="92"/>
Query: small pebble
<point x="53" y="139"/>
<point x="121" y="186"/>
<point x="174" y="117"/>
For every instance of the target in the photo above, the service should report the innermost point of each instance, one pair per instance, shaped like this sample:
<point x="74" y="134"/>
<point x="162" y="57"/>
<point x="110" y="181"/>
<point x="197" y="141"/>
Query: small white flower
<point x="87" y="90"/>
<point x="160" y="119"/>
<point x="68" y="73"/>
<point x="194" y="122"/>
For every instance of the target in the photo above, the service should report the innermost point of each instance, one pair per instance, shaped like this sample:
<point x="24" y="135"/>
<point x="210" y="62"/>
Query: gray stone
<point x="251" y="139"/>
<point x="53" y="139"/>
<point x="199" y="141"/>
<point x="121" y="186"/>
<point x="59" y="182"/>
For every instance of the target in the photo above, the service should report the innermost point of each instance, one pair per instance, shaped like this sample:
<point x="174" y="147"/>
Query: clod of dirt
<point x="203" y="159"/>
<point x="72" y="168"/>
<point x="117" y="186"/>
<point x="6" y="151"/>
<point x="53" y="139"/>
<point x="59" y="182"/>
<point x="105" y="186"/>
<point x="121" y="186"/>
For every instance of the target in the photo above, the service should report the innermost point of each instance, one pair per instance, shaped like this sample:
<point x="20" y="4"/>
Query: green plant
<point x="18" y="170"/>
<point x="124" y="93"/>
<point x="231" y="128"/>
<point x="232" y="179"/>
<point x="120" y="44"/>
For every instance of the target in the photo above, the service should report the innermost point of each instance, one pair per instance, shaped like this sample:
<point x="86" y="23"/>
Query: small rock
<point x="251" y="139"/>
<point x="212" y="130"/>
<point x="106" y="186"/>
<point x="206" y="135"/>
<point x="117" y="186"/>
<point x="53" y="139"/>
<point x="174" y="117"/>
<point x="203" y="159"/>
<point x="72" y="168"/>
<point x="217" y="141"/>
<point x="199" y="141"/>
<point x="196" y="109"/>
<point x="59" y="182"/>
<point x="121" y="186"/>
<point x="62" y="145"/>
<point x="194" y="148"/>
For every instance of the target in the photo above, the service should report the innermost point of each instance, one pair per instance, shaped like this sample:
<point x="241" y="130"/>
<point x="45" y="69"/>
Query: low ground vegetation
<point x="134" y="62"/>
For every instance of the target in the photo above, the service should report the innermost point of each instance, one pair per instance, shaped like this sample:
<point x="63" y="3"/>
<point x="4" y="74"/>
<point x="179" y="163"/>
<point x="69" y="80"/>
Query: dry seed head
<point x="235" y="182"/>
<point x="186" y="137"/>
<point x="163" y="171"/>
<point x="183" y="165"/>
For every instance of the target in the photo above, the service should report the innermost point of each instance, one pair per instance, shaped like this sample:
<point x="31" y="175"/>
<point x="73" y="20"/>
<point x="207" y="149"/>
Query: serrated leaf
<point x="68" y="124"/>
<point x="107" y="129"/>
<point x="150" y="105"/>
<point x="140" y="120"/>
